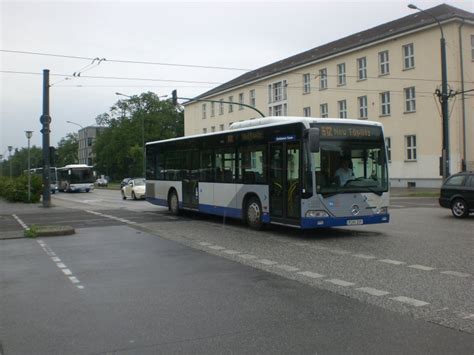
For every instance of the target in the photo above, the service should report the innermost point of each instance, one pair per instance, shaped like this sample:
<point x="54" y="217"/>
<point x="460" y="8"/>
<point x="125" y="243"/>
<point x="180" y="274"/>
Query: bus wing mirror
<point x="69" y="172"/>
<point x="313" y="140"/>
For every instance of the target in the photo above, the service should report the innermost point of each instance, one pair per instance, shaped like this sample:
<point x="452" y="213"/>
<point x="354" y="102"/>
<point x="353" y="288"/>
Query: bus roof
<point x="273" y="121"/>
<point x="72" y="166"/>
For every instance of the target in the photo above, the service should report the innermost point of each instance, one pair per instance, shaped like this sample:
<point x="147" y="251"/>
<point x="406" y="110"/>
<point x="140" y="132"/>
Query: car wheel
<point x="123" y="196"/>
<point x="459" y="208"/>
<point x="253" y="213"/>
<point x="134" y="196"/>
<point x="173" y="203"/>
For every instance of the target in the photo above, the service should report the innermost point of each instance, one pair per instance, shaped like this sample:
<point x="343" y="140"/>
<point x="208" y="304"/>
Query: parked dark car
<point x="457" y="193"/>
<point x="124" y="182"/>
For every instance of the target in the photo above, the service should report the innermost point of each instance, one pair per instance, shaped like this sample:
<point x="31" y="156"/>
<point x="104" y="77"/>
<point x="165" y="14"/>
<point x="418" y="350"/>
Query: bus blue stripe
<point x="307" y="223"/>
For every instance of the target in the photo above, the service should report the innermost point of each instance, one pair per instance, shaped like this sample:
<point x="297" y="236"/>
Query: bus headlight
<point x="382" y="210"/>
<point x="316" y="214"/>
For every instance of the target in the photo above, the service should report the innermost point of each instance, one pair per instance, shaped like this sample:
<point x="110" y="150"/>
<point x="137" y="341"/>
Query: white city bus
<point x="76" y="178"/>
<point x="280" y="170"/>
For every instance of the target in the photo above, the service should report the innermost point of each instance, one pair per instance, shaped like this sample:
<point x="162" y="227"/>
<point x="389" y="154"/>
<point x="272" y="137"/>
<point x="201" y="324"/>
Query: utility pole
<point x="29" y="134"/>
<point x="10" y="148"/>
<point x="45" y="121"/>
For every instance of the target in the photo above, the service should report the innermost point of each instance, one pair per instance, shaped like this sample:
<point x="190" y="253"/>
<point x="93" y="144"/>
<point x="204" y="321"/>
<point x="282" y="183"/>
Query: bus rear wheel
<point x="173" y="203"/>
<point x="253" y="213"/>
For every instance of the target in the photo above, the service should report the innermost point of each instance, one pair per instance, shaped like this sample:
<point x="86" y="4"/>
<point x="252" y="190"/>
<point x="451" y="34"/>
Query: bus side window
<point x="206" y="168"/>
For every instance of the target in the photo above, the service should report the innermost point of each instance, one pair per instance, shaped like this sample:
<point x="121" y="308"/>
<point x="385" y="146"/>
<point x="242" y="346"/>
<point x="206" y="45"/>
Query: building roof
<point x="417" y="20"/>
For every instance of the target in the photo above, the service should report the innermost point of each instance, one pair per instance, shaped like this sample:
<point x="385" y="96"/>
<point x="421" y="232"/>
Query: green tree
<point x="68" y="150"/>
<point x="119" y="149"/>
<point x="19" y="161"/>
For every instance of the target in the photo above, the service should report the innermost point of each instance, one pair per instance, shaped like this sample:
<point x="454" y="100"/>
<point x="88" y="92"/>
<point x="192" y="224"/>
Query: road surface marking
<point x="468" y="316"/>
<point x="80" y="287"/>
<point x="216" y="247"/>
<point x="313" y="275"/>
<point x="421" y="267"/>
<point x="455" y="273"/>
<point x="231" y="252"/>
<point x="393" y="262"/>
<point x="205" y="244"/>
<point x="266" y="262"/>
<point x="287" y="267"/>
<point x="339" y="251"/>
<point x="61" y="265"/>
<point x="74" y="279"/>
<point x="340" y="282"/>
<point x="56" y="259"/>
<point x="410" y="301"/>
<point x="66" y="272"/>
<point x="20" y="221"/>
<point x="364" y="256"/>
<point x="247" y="256"/>
<point x="301" y="244"/>
<point x="372" y="291"/>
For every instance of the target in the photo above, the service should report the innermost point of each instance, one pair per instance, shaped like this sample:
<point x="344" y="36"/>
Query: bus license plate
<point x="354" y="222"/>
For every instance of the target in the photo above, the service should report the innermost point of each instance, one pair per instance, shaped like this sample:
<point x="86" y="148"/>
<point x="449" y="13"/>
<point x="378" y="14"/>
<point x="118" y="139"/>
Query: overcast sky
<point x="243" y="34"/>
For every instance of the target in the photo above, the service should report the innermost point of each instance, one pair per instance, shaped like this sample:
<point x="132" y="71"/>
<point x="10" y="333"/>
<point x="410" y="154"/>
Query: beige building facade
<point x="388" y="74"/>
<point x="86" y="140"/>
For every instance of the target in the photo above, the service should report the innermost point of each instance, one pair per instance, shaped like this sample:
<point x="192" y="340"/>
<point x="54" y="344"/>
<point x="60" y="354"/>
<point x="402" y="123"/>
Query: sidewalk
<point x="414" y="192"/>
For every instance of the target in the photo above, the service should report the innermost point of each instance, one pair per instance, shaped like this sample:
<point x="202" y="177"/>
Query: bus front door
<point x="285" y="198"/>
<point x="191" y="182"/>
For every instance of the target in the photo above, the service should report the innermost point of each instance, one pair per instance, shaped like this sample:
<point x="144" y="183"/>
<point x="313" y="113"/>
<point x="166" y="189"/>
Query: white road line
<point x="339" y="251"/>
<point x="313" y="275"/>
<point x="20" y="222"/>
<point x="372" y="291"/>
<point x="61" y="265"/>
<point x="455" y="273"/>
<point x="247" y="256"/>
<point x="410" y="301"/>
<point x="66" y="272"/>
<point x="205" y="244"/>
<point x="421" y="267"/>
<point x="301" y="244"/>
<point x="340" y="282"/>
<point x="468" y="316"/>
<point x="74" y="279"/>
<point x="216" y="247"/>
<point x="56" y="259"/>
<point x="51" y="254"/>
<point x="80" y="287"/>
<point x="364" y="256"/>
<point x="319" y="247"/>
<point x="393" y="262"/>
<point x="266" y="262"/>
<point x="287" y="267"/>
<point x="231" y="252"/>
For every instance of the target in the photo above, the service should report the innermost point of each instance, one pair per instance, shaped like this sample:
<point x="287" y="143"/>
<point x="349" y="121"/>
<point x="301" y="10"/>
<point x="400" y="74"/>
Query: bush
<point x="16" y="189"/>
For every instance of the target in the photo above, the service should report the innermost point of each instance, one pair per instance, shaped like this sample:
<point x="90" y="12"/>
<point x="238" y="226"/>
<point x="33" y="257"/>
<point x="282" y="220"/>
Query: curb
<point x="53" y="231"/>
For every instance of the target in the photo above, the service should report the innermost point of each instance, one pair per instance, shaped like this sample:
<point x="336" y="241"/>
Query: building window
<point x="306" y="83"/>
<point x="342" y="108"/>
<point x="204" y="116"/>
<point x="388" y="144"/>
<point x="323" y="79"/>
<point x="341" y="74"/>
<point x="204" y="130"/>
<point x="410" y="99"/>
<point x="89" y="141"/>
<point x="362" y="68"/>
<point x="278" y="110"/>
<point x="385" y="103"/>
<point x="221" y="127"/>
<point x="241" y="100"/>
<point x="213" y="109"/>
<point x="231" y="107"/>
<point x="323" y="110"/>
<point x="277" y="91"/>
<point x="363" y="112"/>
<point x="384" y="68"/>
<point x="252" y="98"/>
<point x="410" y="143"/>
<point x="408" y="56"/>
<point x="213" y="128"/>
<point x="221" y="106"/>
<point x="307" y="111"/>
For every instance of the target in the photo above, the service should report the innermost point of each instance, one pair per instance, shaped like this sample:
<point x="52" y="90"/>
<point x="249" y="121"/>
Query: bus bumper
<point x="309" y="223"/>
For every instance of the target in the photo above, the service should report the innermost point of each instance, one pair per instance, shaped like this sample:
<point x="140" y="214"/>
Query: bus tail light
<point x="317" y="214"/>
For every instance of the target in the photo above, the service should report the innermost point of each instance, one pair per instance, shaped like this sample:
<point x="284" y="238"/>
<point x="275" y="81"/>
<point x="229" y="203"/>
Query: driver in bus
<point x="344" y="173"/>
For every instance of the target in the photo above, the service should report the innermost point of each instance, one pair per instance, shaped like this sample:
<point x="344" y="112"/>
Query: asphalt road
<point x="402" y="287"/>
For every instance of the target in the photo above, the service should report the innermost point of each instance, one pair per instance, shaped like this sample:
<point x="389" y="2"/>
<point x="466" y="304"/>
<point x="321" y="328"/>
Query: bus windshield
<point x="350" y="160"/>
<point x="81" y="176"/>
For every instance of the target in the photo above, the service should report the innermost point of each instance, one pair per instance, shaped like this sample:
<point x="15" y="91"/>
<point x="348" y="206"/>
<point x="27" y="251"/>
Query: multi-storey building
<point x="87" y="136"/>
<point x="389" y="73"/>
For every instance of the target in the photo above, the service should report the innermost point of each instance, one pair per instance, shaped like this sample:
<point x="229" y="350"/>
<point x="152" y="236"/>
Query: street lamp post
<point x="443" y="97"/>
<point x="85" y="139"/>
<point x="29" y="134"/>
<point x="10" y="148"/>
<point x="143" y="130"/>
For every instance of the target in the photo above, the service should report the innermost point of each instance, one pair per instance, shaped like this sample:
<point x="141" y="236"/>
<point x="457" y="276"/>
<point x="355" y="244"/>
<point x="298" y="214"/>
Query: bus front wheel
<point x="253" y="213"/>
<point x="173" y="203"/>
